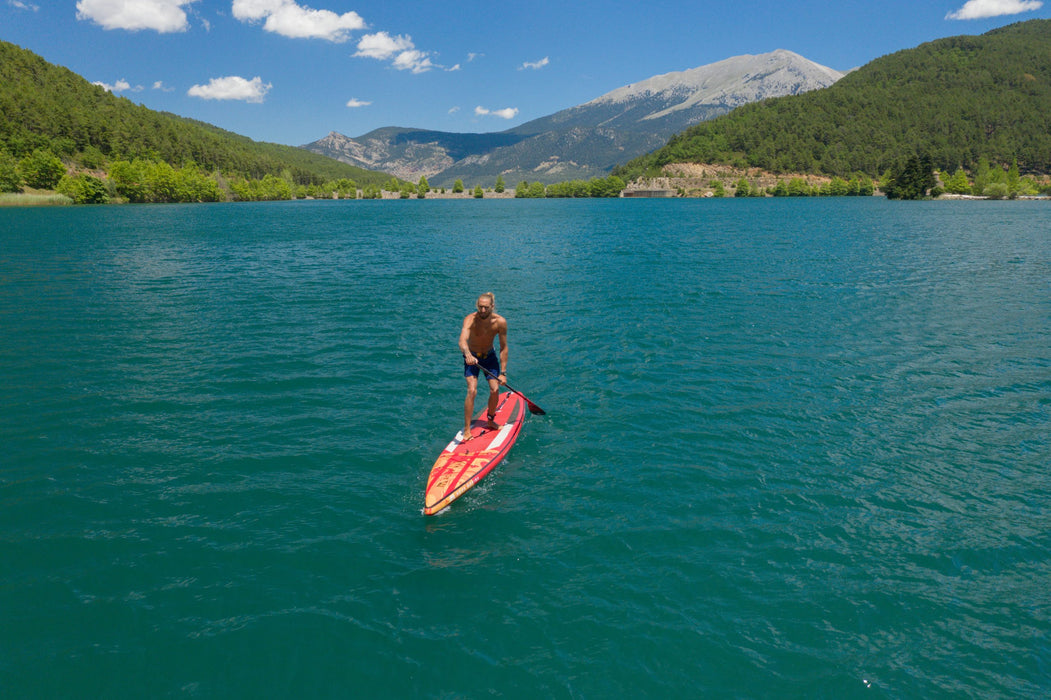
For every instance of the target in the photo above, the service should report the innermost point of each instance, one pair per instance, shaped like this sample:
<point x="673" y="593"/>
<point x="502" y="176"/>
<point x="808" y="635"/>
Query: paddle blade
<point x="533" y="408"/>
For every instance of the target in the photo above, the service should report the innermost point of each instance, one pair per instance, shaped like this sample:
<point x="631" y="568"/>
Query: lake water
<point x="793" y="448"/>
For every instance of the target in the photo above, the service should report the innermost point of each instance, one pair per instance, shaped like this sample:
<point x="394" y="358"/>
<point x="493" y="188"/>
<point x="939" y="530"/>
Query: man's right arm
<point x="465" y="336"/>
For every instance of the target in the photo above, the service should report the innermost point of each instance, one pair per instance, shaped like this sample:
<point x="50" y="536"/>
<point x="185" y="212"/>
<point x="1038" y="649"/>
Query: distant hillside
<point x="43" y="105"/>
<point x="587" y="140"/>
<point x="957" y="99"/>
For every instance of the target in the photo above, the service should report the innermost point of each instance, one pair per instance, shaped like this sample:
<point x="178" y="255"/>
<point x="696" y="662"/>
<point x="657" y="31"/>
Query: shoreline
<point x="27" y="200"/>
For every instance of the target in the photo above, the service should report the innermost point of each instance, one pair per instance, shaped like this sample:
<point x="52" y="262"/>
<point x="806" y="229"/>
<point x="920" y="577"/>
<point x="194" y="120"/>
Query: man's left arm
<point x="503" y="350"/>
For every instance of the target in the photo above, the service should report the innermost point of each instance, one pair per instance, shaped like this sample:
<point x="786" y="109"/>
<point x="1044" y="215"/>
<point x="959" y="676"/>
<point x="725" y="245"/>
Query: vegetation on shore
<point x="953" y="101"/>
<point x="990" y="181"/>
<point x="916" y="179"/>
<point x="610" y="186"/>
<point x="148" y="181"/>
<point x="53" y="124"/>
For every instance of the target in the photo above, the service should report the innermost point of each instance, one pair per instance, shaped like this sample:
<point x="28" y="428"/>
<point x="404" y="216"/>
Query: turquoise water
<point x="793" y="449"/>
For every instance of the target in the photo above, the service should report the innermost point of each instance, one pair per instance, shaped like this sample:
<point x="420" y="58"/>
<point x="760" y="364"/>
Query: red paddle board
<point x="465" y="462"/>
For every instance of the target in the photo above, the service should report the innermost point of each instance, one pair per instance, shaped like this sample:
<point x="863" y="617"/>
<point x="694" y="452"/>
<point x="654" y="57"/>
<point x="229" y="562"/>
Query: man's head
<point x="486" y="304"/>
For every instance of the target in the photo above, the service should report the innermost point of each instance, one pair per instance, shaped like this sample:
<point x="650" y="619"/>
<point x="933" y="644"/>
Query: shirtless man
<point x="476" y="343"/>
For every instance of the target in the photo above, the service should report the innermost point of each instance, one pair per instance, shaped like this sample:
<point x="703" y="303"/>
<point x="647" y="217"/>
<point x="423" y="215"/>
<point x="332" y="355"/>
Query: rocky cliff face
<point x="587" y="140"/>
<point x="381" y="148"/>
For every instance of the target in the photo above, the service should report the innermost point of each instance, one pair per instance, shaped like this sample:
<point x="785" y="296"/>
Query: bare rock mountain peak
<point x="587" y="140"/>
<point x="734" y="81"/>
<point x="778" y="70"/>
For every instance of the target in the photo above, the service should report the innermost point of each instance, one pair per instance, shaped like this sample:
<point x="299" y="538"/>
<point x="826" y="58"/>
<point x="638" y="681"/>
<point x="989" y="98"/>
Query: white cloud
<point x="398" y="49"/>
<point x="288" y="18"/>
<point x="19" y="5"/>
<point x="454" y="110"/>
<point x="506" y="113"/>
<point x="382" y="45"/>
<point x="121" y="85"/>
<point x="164" y="16"/>
<point x="254" y="10"/>
<point x="232" y="87"/>
<point x="355" y="102"/>
<point x="416" y="61"/>
<point x="535" y="65"/>
<point x="159" y="85"/>
<point x="980" y="9"/>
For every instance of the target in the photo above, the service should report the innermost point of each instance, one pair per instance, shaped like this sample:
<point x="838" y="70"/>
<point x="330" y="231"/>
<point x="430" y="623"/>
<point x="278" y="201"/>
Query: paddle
<point x="533" y="408"/>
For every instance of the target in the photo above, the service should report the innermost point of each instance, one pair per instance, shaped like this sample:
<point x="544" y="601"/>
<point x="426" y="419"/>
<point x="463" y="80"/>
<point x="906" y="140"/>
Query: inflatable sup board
<point x="465" y="461"/>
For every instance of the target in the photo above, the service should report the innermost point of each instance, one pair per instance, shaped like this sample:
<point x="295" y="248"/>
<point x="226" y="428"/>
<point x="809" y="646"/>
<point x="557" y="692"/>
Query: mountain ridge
<point x="738" y="79"/>
<point x="587" y="140"/>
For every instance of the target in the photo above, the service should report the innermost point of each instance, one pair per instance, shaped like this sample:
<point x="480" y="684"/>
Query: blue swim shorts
<point x="489" y="360"/>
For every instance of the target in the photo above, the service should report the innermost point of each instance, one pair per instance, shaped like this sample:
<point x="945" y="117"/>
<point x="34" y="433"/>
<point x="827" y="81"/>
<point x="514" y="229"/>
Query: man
<point x="476" y="343"/>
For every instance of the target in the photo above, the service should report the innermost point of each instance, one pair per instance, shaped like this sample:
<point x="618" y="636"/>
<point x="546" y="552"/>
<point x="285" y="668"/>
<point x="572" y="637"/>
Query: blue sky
<point x="290" y="71"/>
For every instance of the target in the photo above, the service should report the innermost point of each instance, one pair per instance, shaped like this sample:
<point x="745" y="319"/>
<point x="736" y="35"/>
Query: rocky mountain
<point x="587" y="140"/>
<point x="957" y="100"/>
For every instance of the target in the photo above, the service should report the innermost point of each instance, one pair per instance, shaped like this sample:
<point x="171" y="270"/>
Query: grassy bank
<point x="23" y="199"/>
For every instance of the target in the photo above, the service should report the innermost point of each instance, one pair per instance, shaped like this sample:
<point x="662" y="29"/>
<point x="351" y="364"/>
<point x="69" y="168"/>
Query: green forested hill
<point x="47" y="106"/>
<point x="957" y="100"/>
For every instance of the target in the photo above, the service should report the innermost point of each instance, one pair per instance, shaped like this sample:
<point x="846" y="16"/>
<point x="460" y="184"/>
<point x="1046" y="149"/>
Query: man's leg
<point x="468" y="405"/>
<point x="494" y="400"/>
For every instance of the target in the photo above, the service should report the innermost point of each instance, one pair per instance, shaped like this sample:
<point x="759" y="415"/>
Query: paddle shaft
<point x="533" y="408"/>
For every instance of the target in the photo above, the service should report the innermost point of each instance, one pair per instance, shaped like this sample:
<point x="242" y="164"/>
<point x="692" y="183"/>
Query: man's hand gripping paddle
<point x="533" y="408"/>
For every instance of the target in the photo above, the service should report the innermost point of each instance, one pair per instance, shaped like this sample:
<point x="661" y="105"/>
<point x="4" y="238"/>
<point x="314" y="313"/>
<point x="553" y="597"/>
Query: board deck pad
<point x="463" y="463"/>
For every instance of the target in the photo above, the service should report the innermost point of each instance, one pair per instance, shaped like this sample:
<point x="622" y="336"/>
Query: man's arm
<point x="465" y="336"/>
<point x="503" y="347"/>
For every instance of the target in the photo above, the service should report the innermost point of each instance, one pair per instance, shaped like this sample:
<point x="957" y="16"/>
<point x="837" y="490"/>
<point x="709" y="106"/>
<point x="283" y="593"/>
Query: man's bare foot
<point x="491" y="423"/>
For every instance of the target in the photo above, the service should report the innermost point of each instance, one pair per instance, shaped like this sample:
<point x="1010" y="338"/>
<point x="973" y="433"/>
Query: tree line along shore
<point x="50" y="181"/>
